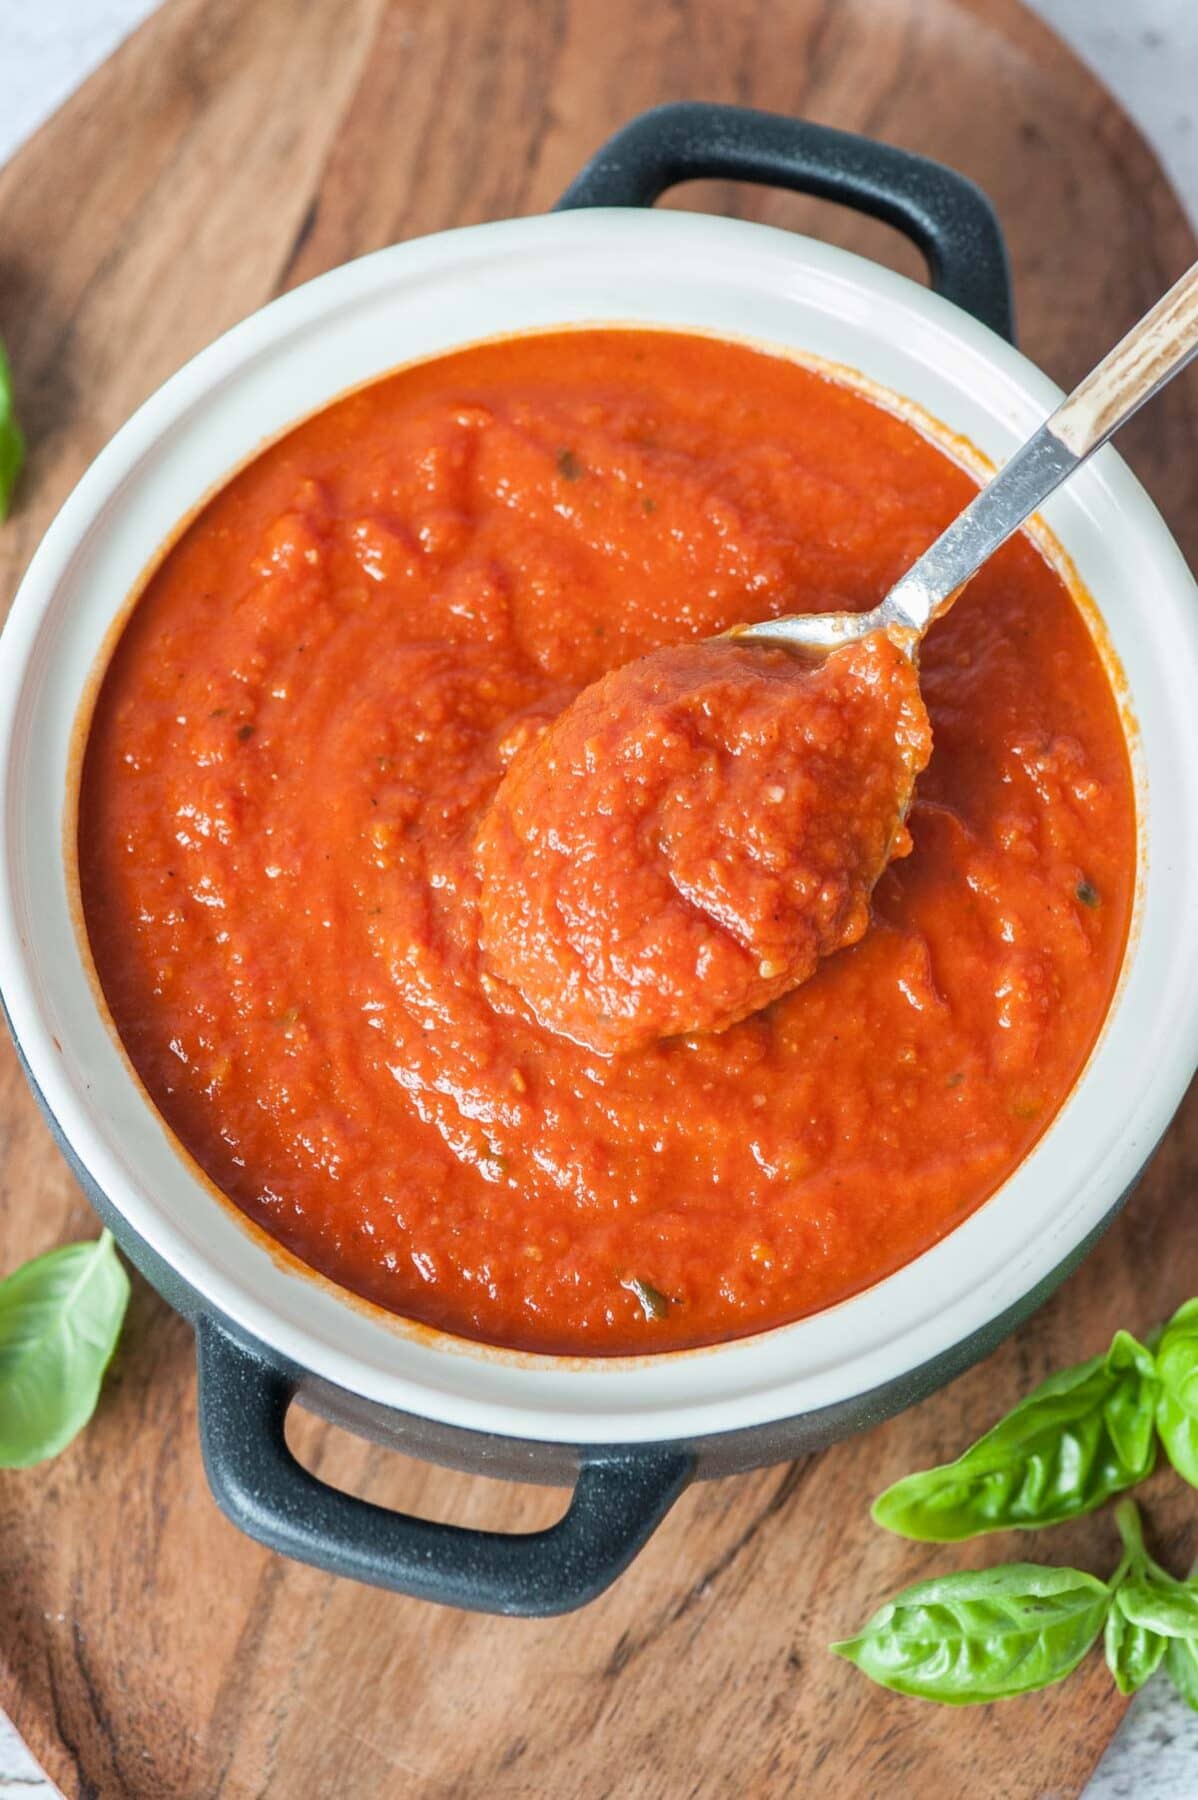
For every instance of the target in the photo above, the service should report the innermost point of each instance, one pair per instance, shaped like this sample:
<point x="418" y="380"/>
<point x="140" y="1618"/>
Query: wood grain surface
<point x="231" y="149"/>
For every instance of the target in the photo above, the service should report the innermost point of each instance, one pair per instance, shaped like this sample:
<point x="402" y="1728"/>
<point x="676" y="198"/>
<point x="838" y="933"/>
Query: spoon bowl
<point x="705" y="929"/>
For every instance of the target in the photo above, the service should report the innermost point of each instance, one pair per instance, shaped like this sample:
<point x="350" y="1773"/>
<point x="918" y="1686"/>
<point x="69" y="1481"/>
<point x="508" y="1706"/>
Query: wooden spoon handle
<point x="1158" y="346"/>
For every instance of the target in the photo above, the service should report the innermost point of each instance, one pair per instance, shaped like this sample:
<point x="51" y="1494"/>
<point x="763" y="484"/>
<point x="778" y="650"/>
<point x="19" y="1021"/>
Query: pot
<point x="629" y="1434"/>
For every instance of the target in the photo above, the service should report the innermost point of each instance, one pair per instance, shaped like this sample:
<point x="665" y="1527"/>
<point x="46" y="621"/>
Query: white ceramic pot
<point x="266" y="1327"/>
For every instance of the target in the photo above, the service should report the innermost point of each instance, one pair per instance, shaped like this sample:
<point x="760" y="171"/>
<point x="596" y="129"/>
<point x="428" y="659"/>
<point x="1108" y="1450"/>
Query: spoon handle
<point x="1140" y="364"/>
<point x="1153" y="351"/>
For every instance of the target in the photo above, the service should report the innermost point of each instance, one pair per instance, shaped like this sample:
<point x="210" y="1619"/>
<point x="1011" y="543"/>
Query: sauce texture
<point x="302" y="730"/>
<point x="695" y="833"/>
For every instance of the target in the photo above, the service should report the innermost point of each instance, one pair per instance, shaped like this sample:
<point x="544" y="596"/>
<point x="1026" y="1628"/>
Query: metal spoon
<point x="1150" y="355"/>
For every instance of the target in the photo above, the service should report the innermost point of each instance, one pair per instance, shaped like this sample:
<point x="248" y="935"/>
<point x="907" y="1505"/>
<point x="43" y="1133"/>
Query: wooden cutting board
<point x="234" y="148"/>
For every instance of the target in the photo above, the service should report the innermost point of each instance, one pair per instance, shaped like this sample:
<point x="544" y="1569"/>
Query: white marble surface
<point x="1147" y="51"/>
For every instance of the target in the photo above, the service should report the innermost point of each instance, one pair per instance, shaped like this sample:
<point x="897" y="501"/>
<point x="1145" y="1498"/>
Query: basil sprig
<point x="982" y="1635"/>
<point x="1153" y="1617"/>
<point x="60" y="1317"/>
<point x="989" y="1634"/>
<point x="1082" y="1436"/>
<point x="12" y="442"/>
<point x="1134" y="1650"/>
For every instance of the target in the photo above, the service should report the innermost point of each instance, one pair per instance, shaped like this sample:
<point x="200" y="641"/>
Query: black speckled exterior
<point x="620" y="1492"/>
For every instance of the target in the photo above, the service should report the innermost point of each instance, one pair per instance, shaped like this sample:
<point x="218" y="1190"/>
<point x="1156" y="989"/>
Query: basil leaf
<point x="1083" y="1435"/>
<point x="1181" y="1661"/>
<point x="1133" y="1652"/>
<point x="12" y="442"/>
<point x="1161" y="1603"/>
<point x="60" y="1317"/>
<point x="1177" y="1407"/>
<point x="983" y="1635"/>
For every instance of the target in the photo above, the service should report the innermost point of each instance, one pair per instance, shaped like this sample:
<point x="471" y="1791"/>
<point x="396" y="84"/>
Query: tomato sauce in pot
<point x="295" y="749"/>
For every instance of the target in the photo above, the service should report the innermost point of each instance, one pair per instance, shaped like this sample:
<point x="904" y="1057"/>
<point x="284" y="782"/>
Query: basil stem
<point x="985" y="1635"/>
<point x="12" y="443"/>
<point x="1133" y="1651"/>
<point x="1177" y="1406"/>
<point x="60" y="1317"/>
<point x="1082" y="1436"/>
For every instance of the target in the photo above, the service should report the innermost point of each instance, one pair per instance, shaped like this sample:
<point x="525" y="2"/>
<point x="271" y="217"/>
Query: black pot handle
<point x="950" y="219"/>
<point x="620" y="1498"/>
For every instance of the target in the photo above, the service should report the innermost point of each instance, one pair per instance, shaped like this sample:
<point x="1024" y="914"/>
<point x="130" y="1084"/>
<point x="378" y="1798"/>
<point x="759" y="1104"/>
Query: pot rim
<point x="626" y="263"/>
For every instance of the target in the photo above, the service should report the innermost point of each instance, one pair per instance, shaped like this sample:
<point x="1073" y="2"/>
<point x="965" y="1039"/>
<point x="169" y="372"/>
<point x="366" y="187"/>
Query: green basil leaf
<point x="1160" y="1603"/>
<point x="1181" y="1660"/>
<point x="12" y="443"/>
<point x="986" y="1635"/>
<point x="1177" y="1407"/>
<point x="1133" y="1652"/>
<point x="60" y="1317"/>
<point x="1083" y="1435"/>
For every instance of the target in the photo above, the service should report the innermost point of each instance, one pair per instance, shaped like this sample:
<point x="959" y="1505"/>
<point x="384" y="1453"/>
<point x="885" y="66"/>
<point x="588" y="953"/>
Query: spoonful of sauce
<point x="700" y="828"/>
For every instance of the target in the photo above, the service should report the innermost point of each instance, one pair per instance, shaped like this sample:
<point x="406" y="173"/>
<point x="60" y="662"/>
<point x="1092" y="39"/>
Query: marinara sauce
<point x="300" y="733"/>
